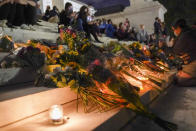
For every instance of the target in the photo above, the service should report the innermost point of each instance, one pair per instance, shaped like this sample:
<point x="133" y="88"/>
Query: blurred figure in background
<point x="157" y="29"/>
<point x="39" y="14"/>
<point x="110" y="30"/>
<point x="185" y="47"/>
<point x="46" y="16"/>
<point x="152" y="39"/>
<point x="142" y="35"/>
<point x="7" y="13"/>
<point x="132" y="34"/>
<point x="84" y="23"/>
<point x="92" y="27"/>
<point x="30" y="13"/>
<point x="127" y="23"/>
<point x="66" y="15"/>
<point x="103" y="26"/>
<point x="121" y="32"/>
<point x="54" y="15"/>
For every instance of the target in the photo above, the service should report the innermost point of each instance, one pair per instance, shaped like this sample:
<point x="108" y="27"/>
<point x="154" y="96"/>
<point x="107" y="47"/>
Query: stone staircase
<point x="46" y="31"/>
<point x="25" y="107"/>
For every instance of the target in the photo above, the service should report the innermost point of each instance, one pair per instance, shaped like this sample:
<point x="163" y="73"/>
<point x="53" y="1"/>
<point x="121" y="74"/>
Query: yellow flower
<point x="73" y="53"/>
<point x="72" y="64"/>
<point x="83" y="71"/>
<point x="84" y="46"/>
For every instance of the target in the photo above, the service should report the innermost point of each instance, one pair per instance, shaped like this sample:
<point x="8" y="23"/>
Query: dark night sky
<point x="106" y="3"/>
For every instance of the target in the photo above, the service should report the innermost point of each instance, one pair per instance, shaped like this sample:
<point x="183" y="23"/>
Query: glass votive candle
<point x="56" y="115"/>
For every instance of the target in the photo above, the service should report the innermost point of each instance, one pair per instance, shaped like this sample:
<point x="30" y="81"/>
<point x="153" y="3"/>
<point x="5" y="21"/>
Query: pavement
<point x="178" y="105"/>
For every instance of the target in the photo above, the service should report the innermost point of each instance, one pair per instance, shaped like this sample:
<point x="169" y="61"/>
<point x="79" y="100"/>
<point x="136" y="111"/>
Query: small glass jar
<point x="56" y="115"/>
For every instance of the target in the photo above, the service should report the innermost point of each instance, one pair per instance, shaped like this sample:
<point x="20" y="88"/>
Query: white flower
<point x="70" y="27"/>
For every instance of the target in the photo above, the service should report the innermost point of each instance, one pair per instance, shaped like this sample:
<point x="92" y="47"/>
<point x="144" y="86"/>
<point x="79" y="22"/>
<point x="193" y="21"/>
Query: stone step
<point x="22" y="107"/>
<point x="12" y="76"/>
<point x="15" y="75"/>
<point x="19" y="35"/>
<point x="112" y="120"/>
<point x="47" y="31"/>
<point x="21" y="112"/>
<point x="20" y="90"/>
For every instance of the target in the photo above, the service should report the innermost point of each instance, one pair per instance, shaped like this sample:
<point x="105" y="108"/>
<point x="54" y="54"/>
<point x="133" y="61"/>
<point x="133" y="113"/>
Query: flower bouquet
<point x="98" y="79"/>
<point x="25" y="57"/>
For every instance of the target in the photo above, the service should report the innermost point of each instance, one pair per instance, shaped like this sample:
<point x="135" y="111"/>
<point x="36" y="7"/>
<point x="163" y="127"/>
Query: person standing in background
<point x="7" y="13"/>
<point x="30" y="13"/>
<point x="121" y="32"/>
<point x="127" y="23"/>
<point x="142" y="35"/>
<point x="157" y="29"/>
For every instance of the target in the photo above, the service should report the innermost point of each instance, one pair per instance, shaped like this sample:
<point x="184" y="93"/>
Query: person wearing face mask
<point x="185" y="47"/>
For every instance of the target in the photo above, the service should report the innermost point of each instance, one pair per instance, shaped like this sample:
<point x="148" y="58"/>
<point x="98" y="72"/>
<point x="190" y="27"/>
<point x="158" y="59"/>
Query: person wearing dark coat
<point x="110" y="30"/>
<point x="157" y="29"/>
<point x="30" y="12"/>
<point x="185" y="47"/>
<point x="7" y="13"/>
<point x="65" y="15"/>
<point x="120" y="32"/>
<point x="54" y="12"/>
<point x="46" y="16"/>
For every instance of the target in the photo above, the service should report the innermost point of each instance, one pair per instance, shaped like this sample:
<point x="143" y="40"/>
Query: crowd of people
<point x="83" y="21"/>
<point x="26" y="13"/>
<point x="18" y="13"/>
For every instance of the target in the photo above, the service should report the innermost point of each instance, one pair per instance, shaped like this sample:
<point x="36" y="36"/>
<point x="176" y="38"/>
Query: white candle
<point x="56" y="114"/>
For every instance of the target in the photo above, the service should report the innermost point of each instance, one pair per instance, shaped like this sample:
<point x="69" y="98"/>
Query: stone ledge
<point x="20" y="35"/>
<point x="12" y="76"/>
<point x="23" y="107"/>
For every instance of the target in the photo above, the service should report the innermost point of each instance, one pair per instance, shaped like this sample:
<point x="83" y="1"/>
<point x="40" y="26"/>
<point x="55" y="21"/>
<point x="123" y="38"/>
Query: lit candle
<point x="56" y="114"/>
<point x="144" y="48"/>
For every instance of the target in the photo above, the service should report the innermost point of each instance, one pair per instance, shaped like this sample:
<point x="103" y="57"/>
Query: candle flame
<point x="162" y="67"/>
<point x="56" y="113"/>
<point x="142" y="78"/>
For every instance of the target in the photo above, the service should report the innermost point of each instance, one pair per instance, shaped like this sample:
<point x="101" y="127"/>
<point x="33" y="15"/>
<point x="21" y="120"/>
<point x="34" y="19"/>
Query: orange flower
<point x="73" y="35"/>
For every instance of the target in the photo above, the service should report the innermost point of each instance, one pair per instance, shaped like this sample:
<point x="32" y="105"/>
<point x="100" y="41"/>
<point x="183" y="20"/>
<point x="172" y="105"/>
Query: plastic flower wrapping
<point x="104" y="77"/>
